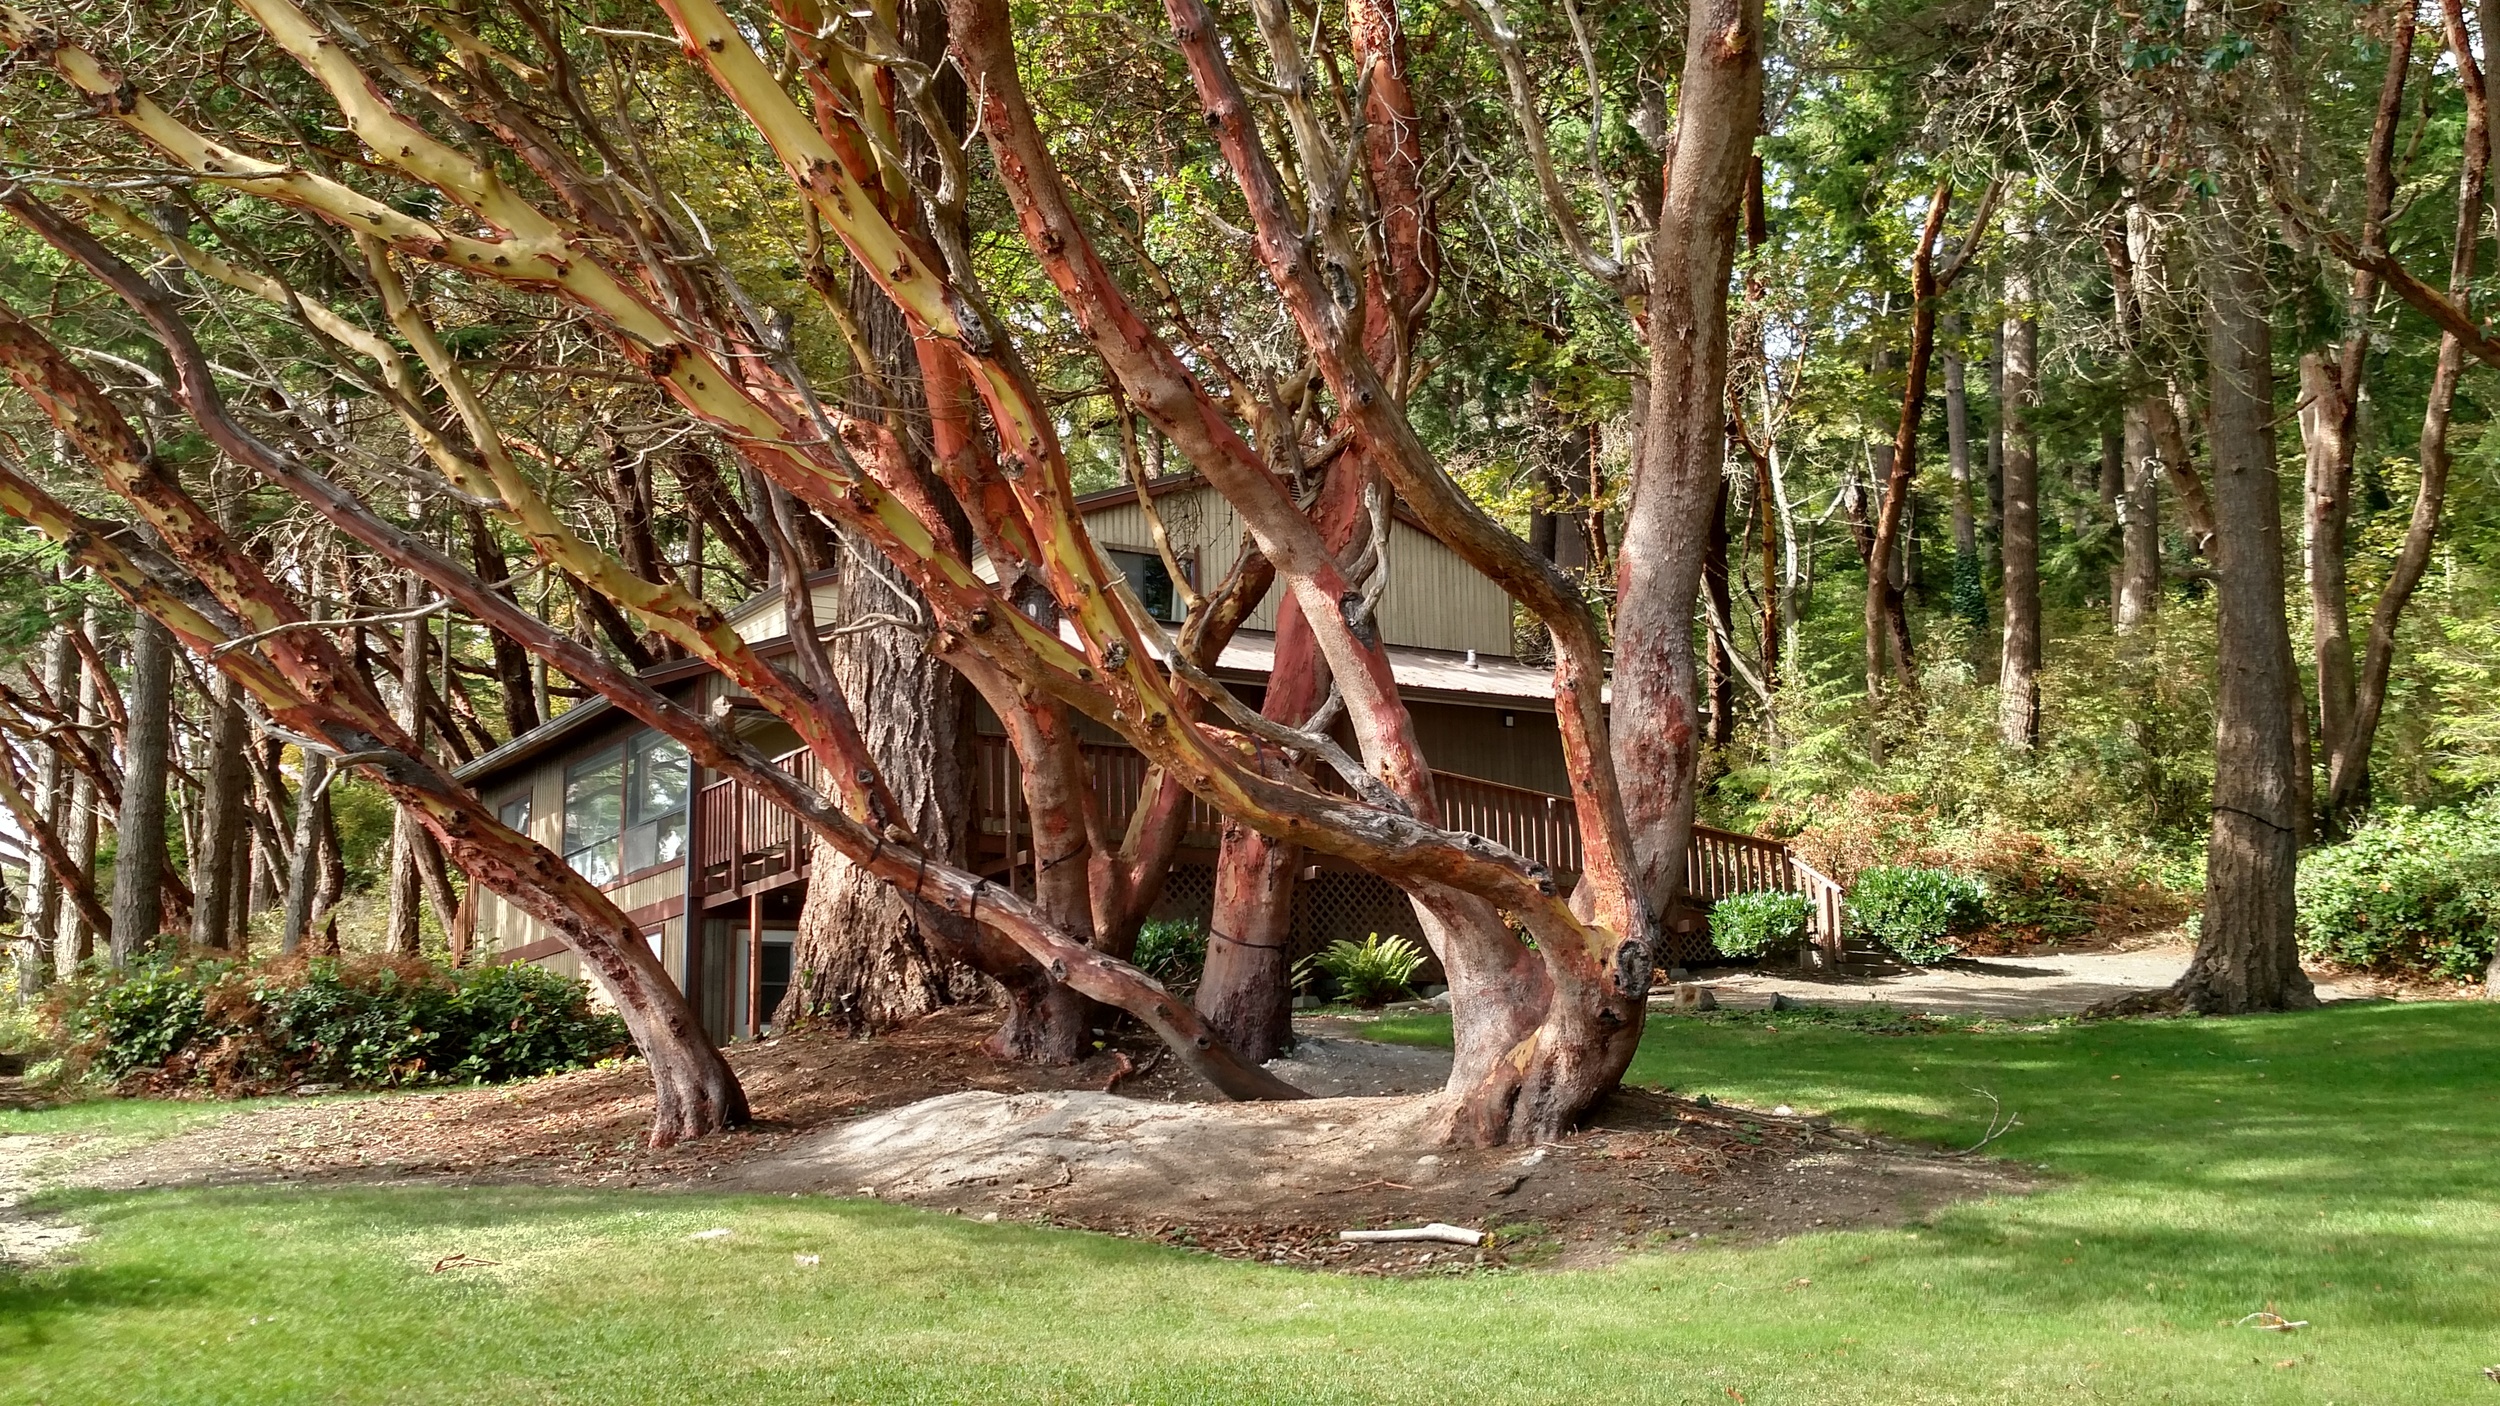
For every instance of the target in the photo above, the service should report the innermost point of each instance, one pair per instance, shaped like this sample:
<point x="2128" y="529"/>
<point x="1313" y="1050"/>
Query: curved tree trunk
<point x="1245" y="993"/>
<point x="2347" y="789"/>
<point x="1666" y="526"/>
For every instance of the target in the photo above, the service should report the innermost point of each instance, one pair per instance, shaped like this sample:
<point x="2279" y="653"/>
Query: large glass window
<point x="625" y="809"/>
<point x="1151" y="580"/>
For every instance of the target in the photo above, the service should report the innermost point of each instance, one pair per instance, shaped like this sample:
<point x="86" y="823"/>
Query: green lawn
<point x="2343" y="1166"/>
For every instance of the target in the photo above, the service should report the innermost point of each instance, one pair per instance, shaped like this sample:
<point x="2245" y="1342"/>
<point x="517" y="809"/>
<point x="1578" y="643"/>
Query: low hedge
<point x="1758" y="924"/>
<point x="360" y="1022"/>
<point x="1917" y="912"/>
<point x="2413" y="892"/>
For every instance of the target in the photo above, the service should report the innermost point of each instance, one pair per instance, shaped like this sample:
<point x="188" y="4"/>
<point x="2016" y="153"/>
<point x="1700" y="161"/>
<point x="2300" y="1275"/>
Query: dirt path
<point x="2007" y="987"/>
<point x="29" y="1239"/>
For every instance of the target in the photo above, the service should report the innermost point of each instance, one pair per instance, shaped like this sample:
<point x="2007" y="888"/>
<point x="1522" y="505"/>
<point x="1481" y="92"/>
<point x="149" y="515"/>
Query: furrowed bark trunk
<point x="512" y="663"/>
<point x="403" y="929"/>
<point x="1970" y="597"/>
<point x="47" y="899"/>
<point x="863" y="959"/>
<point x="2018" y="669"/>
<point x="1666" y="526"/>
<point x="80" y="930"/>
<point x="139" y="826"/>
<point x="866" y="957"/>
<point x="222" y="867"/>
<point x="1996" y="434"/>
<point x="2139" y="526"/>
<point x="2246" y="955"/>
<point x="1722" y="621"/>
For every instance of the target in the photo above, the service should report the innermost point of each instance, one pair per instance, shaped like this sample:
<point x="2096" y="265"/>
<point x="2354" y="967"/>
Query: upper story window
<point x="625" y="809"/>
<point x="1151" y="580"/>
<point x="515" y="813"/>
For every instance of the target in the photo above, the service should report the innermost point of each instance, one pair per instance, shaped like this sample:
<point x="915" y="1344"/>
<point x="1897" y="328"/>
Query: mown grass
<point x="2339" y="1165"/>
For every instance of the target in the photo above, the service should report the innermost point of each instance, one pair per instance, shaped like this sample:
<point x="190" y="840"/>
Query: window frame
<point x="656" y="835"/>
<point x="1188" y="562"/>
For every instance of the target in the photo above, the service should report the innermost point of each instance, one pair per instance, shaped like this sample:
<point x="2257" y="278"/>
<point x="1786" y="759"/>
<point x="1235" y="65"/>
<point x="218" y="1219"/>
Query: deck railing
<point x="744" y="841"/>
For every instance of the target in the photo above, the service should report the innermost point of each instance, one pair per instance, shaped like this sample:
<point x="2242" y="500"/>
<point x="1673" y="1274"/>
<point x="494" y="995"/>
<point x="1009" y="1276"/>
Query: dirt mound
<point x="1277" y="1181"/>
<point x="921" y="1116"/>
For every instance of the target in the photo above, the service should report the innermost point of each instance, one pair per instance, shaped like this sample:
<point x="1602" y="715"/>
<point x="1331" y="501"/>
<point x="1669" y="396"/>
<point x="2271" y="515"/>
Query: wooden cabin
<point x="716" y="876"/>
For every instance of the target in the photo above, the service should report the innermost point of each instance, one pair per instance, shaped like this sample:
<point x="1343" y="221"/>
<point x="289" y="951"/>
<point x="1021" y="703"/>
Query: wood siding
<point x="502" y="927"/>
<point x="1434" y="601"/>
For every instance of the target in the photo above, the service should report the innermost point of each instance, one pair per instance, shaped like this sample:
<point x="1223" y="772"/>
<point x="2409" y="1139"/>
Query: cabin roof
<point x="1436" y="675"/>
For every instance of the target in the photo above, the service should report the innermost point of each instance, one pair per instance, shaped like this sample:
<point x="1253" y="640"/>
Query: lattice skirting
<point x="1334" y="906"/>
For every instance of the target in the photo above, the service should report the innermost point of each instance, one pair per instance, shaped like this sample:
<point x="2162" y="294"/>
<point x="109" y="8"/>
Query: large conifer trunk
<point x="2139" y="526"/>
<point x="2018" y="669"/>
<point x="2246" y="957"/>
<point x="139" y="828"/>
<point x="222" y="868"/>
<point x="862" y="960"/>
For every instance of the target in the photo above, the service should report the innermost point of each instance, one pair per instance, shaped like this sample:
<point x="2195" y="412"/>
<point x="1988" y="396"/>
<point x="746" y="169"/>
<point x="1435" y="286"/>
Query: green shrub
<point x="1371" y="972"/>
<point x="144" y="1016"/>
<point x="21" y="1022"/>
<point x="1751" y="924"/>
<point x="2412" y="891"/>
<point x="361" y="1022"/>
<point x="1915" y="912"/>
<point x="1172" y="951"/>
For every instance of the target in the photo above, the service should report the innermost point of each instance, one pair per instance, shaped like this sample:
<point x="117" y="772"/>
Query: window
<point x="625" y="809"/>
<point x="1151" y="580"/>
<point x="773" y="977"/>
<point x="515" y="813"/>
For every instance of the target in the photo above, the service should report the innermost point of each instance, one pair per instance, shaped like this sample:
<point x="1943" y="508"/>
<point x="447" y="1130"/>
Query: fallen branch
<point x="2268" y="1321"/>
<point x="1447" y="1234"/>
<point x="2000" y="1123"/>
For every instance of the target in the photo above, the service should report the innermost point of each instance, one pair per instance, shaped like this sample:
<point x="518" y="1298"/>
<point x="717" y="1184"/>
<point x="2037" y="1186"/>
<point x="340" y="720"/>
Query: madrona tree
<point x="441" y="161"/>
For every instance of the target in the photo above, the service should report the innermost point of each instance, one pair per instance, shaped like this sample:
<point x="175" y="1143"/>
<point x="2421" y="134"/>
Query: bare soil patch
<point x="922" y="1117"/>
<point x="1277" y="1181"/>
<point x="27" y="1240"/>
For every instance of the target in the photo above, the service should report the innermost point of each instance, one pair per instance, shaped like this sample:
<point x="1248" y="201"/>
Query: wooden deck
<point x="745" y="845"/>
